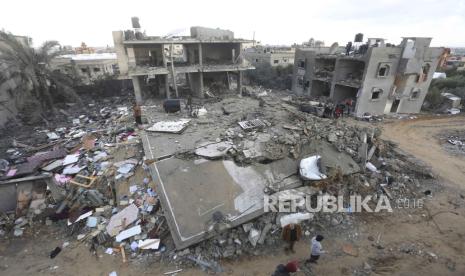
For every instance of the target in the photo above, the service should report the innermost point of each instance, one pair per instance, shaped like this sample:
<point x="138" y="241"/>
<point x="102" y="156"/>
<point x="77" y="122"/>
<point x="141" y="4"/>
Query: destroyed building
<point x="88" y="67"/>
<point x="158" y="65"/>
<point x="274" y="56"/>
<point x="378" y="77"/>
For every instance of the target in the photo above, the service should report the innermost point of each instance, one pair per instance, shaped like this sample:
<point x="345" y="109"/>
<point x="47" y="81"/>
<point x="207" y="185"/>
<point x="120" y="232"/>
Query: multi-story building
<point x="379" y="78"/>
<point x="274" y="56"/>
<point x="87" y="67"/>
<point x="156" y="63"/>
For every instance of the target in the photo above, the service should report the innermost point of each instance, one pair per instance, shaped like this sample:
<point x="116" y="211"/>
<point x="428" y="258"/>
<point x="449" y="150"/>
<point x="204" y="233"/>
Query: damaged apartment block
<point x="166" y="66"/>
<point x="378" y="77"/>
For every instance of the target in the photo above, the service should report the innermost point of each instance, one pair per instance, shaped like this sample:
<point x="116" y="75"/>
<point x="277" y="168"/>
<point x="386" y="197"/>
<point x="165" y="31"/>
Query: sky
<point x="274" y="22"/>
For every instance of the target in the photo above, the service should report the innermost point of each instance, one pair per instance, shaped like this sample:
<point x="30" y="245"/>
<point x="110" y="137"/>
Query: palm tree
<point x="31" y="67"/>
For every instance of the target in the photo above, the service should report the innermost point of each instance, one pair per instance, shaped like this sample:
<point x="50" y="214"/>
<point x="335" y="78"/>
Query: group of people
<point x="338" y="110"/>
<point x="292" y="234"/>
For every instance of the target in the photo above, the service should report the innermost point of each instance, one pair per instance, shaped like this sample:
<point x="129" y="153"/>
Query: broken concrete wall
<point x="303" y="71"/>
<point x="16" y="194"/>
<point x="377" y="57"/>
<point x="211" y="34"/>
<point x="118" y="39"/>
<point x="220" y="53"/>
<point x="149" y="55"/>
<point x="409" y="103"/>
<point x="192" y="53"/>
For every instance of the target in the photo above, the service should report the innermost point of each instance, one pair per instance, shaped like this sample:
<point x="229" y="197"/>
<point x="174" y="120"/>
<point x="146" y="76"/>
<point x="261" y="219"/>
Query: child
<point x="316" y="249"/>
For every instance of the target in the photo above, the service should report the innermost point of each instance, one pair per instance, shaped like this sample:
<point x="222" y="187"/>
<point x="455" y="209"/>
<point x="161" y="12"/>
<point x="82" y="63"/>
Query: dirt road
<point x="418" y="137"/>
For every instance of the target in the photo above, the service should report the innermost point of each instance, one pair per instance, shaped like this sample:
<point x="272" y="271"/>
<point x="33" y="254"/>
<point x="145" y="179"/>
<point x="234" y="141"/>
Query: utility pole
<point x="173" y="73"/>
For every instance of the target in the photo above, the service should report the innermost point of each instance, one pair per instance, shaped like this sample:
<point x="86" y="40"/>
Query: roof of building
<point x="102" y="56"/>
<point x="183" y="40"/>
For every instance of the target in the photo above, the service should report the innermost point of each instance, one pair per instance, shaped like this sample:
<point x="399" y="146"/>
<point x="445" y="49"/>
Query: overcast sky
<point x="274" y="22"/>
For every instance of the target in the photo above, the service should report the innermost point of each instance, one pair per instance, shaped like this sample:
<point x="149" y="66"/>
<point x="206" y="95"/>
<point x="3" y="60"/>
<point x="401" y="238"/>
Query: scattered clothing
<point x="286" y="270"/>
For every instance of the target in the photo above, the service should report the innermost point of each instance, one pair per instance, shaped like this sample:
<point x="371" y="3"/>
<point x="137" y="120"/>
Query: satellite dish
<point x="333" y="48"/>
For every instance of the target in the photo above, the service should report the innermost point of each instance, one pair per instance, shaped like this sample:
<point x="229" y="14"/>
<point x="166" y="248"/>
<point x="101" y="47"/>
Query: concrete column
<point x="163" y="55"/>
<point x="240" y="58"/>
<point x="131" y="57"/>
<point x="201" y="94"/>
<point x="239" y="82"/>
<point x="167" y="87"/>
<point x="200" y="55"/>
<point x="137" y="89"/>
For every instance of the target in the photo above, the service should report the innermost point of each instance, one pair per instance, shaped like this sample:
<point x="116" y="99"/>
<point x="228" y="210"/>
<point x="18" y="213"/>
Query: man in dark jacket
<point x="291" y="234"/>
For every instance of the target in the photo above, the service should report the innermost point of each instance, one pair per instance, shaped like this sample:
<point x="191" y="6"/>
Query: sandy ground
<point x="438" y="243"/>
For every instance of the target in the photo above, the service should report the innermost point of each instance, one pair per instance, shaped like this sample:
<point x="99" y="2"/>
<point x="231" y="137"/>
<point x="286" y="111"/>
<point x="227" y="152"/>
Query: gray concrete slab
<point x="192" y="190"/>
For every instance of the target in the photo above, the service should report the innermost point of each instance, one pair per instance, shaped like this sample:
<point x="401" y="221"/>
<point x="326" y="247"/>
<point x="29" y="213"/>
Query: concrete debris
<point x="122" y="219"/>
<point x="254" y="236"/>
<point x="128" y="233"/>
<point x="265" y="231"/>
<point x="214" y="150"/>
<point x="211" y="170"/>
<point x="170" y="126"/>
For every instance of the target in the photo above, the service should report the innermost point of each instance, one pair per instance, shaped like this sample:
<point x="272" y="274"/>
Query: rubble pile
<point x="97" y="185"/>
<point x="101" y="189"/>
<point x="453" y="142"/>
<point x="266" y="130"/>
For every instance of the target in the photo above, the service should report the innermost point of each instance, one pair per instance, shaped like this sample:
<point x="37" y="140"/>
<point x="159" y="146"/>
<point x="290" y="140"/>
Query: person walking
<point x="291" y="234"/>
<point x="316" y="249"/>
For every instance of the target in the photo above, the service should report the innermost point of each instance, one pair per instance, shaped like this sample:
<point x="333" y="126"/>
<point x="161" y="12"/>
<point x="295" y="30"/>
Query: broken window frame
<point x="300" y="81"/>
<point x="387" y="70"/>
<point x="301" y="64"/>
<point x="425" y="71"/>
<point x="415" y="93"/>
<point x="276" y="61"/>
<point x="376" y="91"/>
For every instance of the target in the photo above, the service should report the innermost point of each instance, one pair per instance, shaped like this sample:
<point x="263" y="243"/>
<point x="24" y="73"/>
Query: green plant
<point x="30" y="67"/>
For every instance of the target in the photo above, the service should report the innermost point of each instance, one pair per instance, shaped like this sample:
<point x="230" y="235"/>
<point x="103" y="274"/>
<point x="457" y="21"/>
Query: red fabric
<point x="292" y="266"/>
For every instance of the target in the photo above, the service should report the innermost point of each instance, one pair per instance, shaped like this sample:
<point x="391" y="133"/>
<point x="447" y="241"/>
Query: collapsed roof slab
<point x="191" y="191"/>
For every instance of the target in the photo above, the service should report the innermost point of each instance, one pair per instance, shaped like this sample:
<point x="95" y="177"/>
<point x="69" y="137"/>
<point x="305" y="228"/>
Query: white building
<point x="88" y="67"/>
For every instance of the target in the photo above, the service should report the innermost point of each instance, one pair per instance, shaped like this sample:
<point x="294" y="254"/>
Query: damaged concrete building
<point x="161" y="66"/>
<point x="378" y="77"/>
<point x="274" y="56"/>
<point x="87" y="67"/>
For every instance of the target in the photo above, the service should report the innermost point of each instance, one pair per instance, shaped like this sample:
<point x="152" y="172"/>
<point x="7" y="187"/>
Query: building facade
<point x="155" y="64"/>
<point x="274" y="56"/>
<point x="87" y="67"/>
<point x="377" y="77"/>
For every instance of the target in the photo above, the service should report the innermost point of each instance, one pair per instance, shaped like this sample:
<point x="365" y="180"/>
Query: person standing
<point x="316" y="249"/>
<point x="189" y="103"/>
<point x="349" y="104"/>
<point x="291" y="234"/>
<point x="137" y="114"/>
